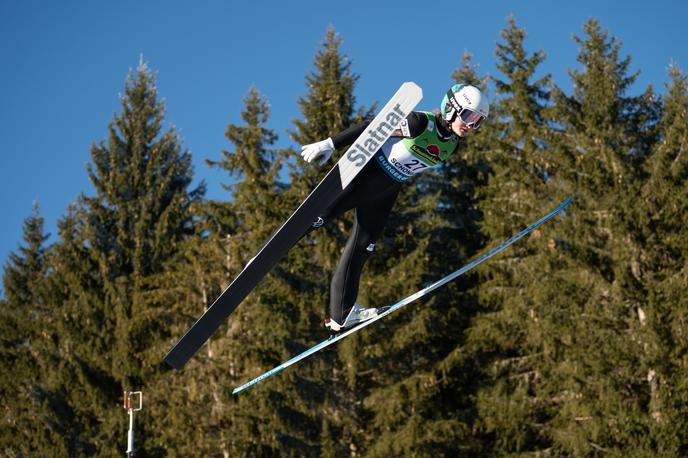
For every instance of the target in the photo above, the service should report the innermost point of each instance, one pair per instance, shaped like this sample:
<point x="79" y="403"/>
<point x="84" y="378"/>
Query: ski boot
<point x="357" y="315"/>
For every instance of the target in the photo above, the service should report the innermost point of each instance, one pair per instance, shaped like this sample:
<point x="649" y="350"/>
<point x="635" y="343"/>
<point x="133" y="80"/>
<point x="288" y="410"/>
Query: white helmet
<point x="462" y="97"/>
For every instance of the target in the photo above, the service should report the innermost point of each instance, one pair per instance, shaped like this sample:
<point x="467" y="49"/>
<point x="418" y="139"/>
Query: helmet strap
<point x="446" y="124"/>
<point x="448" y="113"/>
<point x="451" y="116"/>
<point x="452" y="100"/>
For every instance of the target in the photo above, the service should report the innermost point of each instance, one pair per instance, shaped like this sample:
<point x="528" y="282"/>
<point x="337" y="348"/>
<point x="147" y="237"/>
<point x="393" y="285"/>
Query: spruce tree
<point x="24" y="272"/>
<point x="113" y="245"/>
<point x="257" y="337"/>
<point x="31" y="408"/>
<point x="581" y="320"/>
<point x="419" y="382"/>
<point x="194" y="401"/>
<point x="662" y="212"/>
<point x="516" y="194"/>
<point x="328" y="107"/>
<point x="261" y="329"/>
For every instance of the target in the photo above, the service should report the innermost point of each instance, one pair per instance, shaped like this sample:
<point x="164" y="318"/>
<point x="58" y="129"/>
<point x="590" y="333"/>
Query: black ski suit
<point x="372" y="195"/>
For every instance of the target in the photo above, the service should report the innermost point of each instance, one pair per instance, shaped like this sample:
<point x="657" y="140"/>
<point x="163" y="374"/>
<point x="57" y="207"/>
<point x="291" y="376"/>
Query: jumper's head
<point x="464" y="107"/>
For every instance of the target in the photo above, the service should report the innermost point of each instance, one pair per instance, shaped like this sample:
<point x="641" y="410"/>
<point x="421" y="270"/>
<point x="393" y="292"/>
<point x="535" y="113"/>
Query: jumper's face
<point x="459" y="128"/>
<point x="465" y="121"/>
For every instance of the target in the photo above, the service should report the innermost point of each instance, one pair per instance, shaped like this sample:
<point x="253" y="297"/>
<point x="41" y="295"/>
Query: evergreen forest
<point x="572" y="342"/>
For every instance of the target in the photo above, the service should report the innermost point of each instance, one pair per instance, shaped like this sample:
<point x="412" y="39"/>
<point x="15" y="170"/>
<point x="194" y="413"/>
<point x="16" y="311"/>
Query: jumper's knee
<point x="363" y="245"/>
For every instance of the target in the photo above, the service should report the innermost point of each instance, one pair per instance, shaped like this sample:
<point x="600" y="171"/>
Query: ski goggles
<point x="469" y="117"/>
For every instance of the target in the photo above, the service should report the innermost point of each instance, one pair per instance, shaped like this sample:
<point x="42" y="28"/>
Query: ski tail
<point x="384" y="311"/>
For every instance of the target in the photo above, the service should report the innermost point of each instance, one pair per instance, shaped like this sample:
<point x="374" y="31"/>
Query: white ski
<point x="405" y="301"/>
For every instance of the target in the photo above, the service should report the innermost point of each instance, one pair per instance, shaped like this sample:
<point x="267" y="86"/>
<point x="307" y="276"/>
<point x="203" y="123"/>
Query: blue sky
<point x="63" y="66"/>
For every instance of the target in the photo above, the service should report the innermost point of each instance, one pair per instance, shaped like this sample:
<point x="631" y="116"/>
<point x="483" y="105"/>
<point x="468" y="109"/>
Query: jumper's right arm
<point x="321" y="151"/>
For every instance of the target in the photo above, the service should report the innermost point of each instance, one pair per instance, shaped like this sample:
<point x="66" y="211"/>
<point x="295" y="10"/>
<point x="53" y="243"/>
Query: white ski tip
<point x="412" y="88"/>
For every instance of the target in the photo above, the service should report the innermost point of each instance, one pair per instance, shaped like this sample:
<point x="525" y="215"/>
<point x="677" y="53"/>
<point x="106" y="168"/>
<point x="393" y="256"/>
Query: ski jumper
<point x="422" y="141"/>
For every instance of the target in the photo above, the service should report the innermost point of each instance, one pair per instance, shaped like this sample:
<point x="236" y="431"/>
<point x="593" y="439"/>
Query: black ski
<point x="336" y="180"/>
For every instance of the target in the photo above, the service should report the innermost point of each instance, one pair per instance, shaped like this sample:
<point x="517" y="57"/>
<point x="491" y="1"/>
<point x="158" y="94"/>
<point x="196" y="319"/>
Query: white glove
<point x="320" y="150"/>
